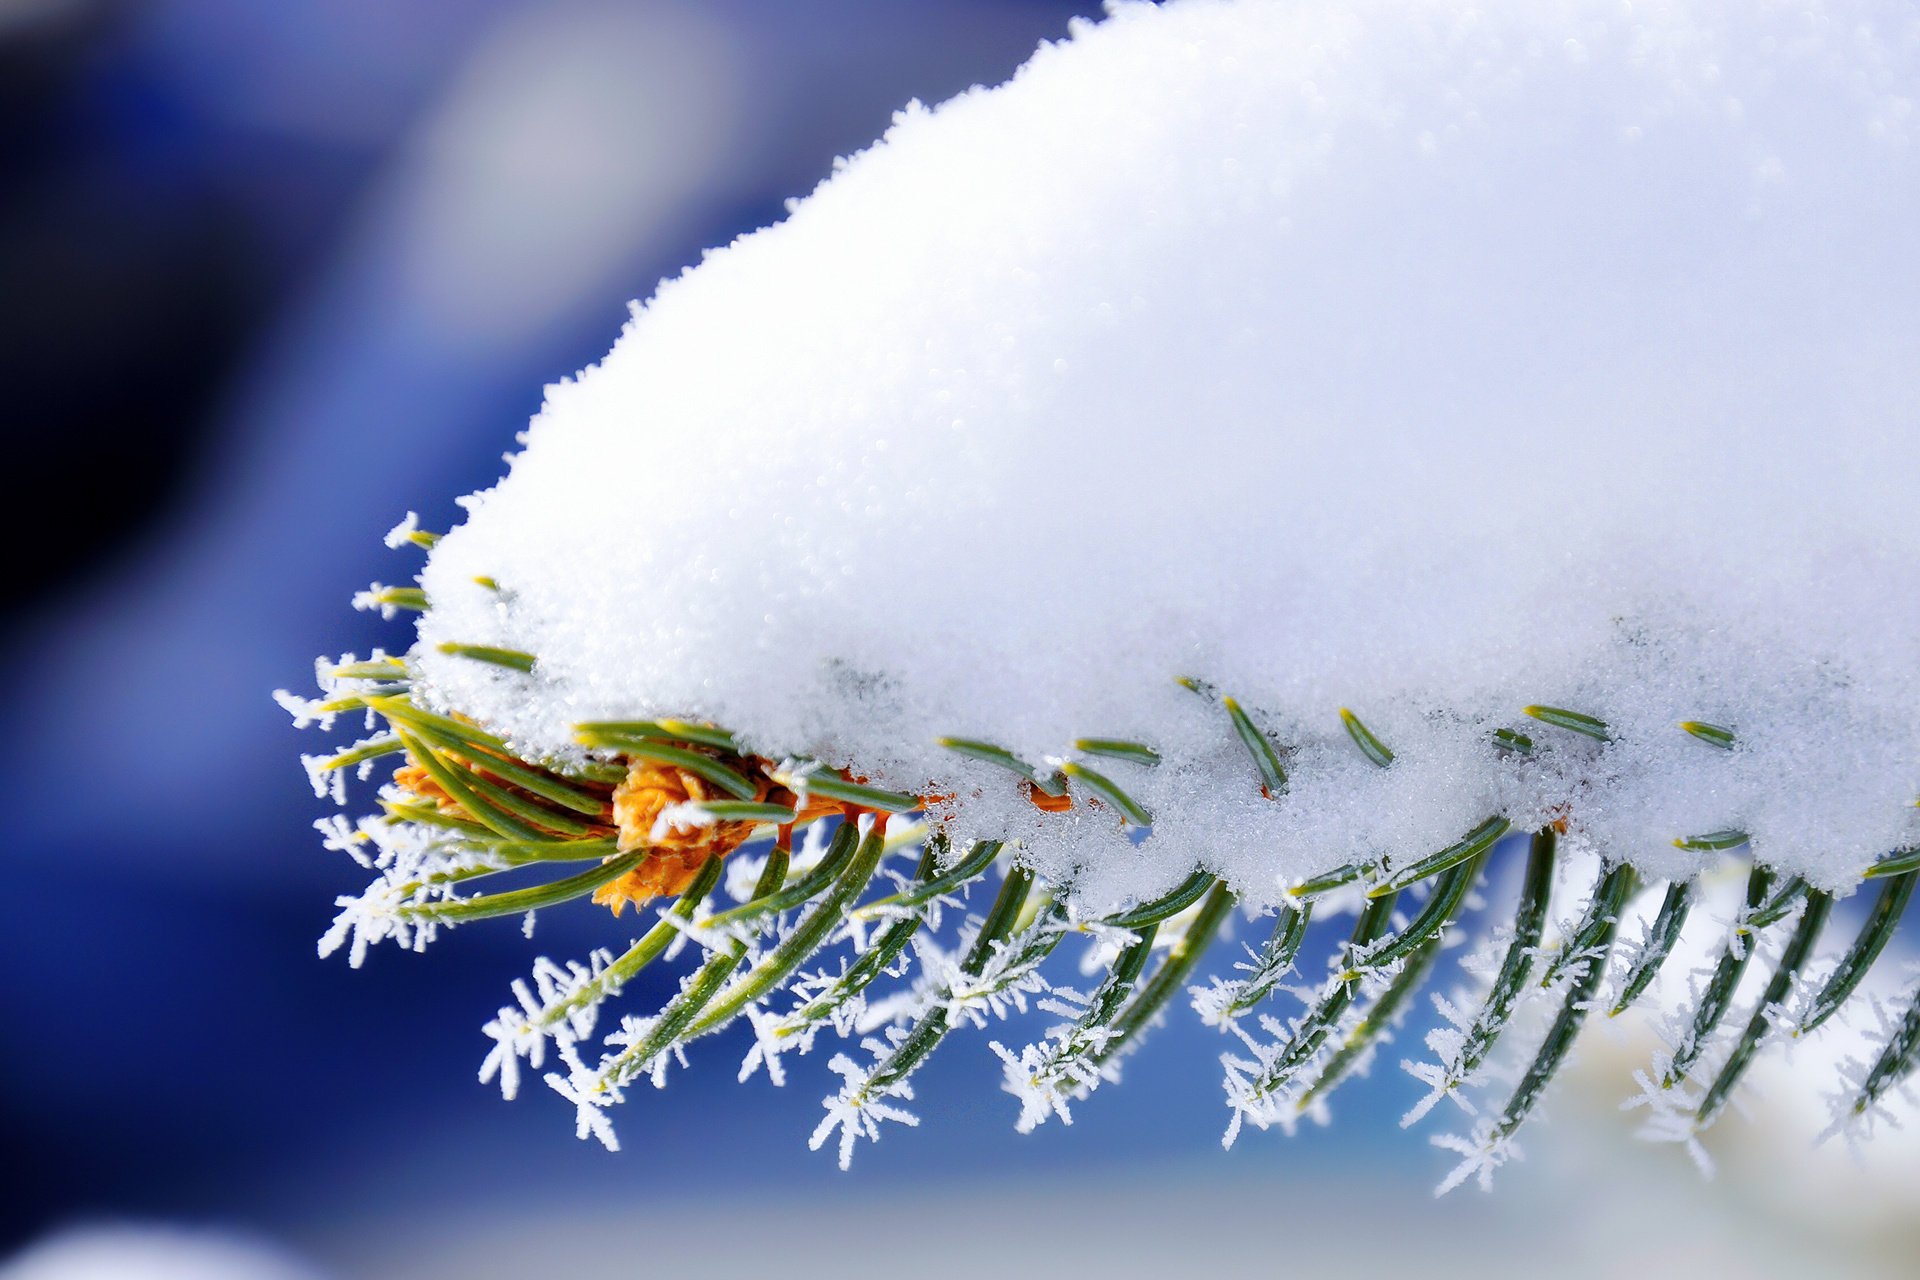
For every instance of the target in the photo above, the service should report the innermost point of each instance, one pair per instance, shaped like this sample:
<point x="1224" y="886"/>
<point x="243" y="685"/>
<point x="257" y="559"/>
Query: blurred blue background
<point x="273" y="274"/>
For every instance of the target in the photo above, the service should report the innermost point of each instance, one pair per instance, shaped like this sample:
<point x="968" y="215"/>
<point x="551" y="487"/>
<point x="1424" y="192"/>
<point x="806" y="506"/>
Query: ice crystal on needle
<point x="1284" y="461"/>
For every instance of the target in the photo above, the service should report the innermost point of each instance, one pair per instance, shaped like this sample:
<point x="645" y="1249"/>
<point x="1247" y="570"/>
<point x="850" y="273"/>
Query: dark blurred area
<point x="271" y="275"/>
<point x="178" y="176"/>
<point x="129" y="271"/>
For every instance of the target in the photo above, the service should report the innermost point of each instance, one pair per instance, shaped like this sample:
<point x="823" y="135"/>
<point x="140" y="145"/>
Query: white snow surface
<point x="1423" y="359"/>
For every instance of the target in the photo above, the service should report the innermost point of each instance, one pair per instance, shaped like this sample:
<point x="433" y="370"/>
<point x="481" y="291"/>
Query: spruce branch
<point x="465" y="806"/>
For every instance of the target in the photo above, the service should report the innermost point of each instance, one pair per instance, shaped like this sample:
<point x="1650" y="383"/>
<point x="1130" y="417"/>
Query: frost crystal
<point x="590" y="1095"/>
<point x="858" y="1109"/>
<point x="378" y="913"/>
<point x="562" y="1006"/>
<point x="1481" y="1153"/>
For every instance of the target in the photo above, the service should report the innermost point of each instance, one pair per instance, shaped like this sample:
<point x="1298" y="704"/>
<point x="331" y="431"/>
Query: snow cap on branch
<point x="1425" y="359"/>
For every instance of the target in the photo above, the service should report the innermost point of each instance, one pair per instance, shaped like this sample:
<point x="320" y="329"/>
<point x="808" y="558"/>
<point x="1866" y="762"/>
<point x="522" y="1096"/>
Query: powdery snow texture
<point x="1425" y="360"/>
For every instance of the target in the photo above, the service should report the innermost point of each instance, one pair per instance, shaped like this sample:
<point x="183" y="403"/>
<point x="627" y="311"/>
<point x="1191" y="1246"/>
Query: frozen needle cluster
<point x="1253" y="461"/>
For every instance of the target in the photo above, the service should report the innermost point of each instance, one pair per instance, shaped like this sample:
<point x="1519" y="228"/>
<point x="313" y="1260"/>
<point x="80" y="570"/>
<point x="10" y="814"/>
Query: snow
<point x="1426" y="360"/>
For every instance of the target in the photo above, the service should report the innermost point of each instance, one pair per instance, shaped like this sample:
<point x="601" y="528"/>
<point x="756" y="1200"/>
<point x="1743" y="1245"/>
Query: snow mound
<point x="1426" y="360"/>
